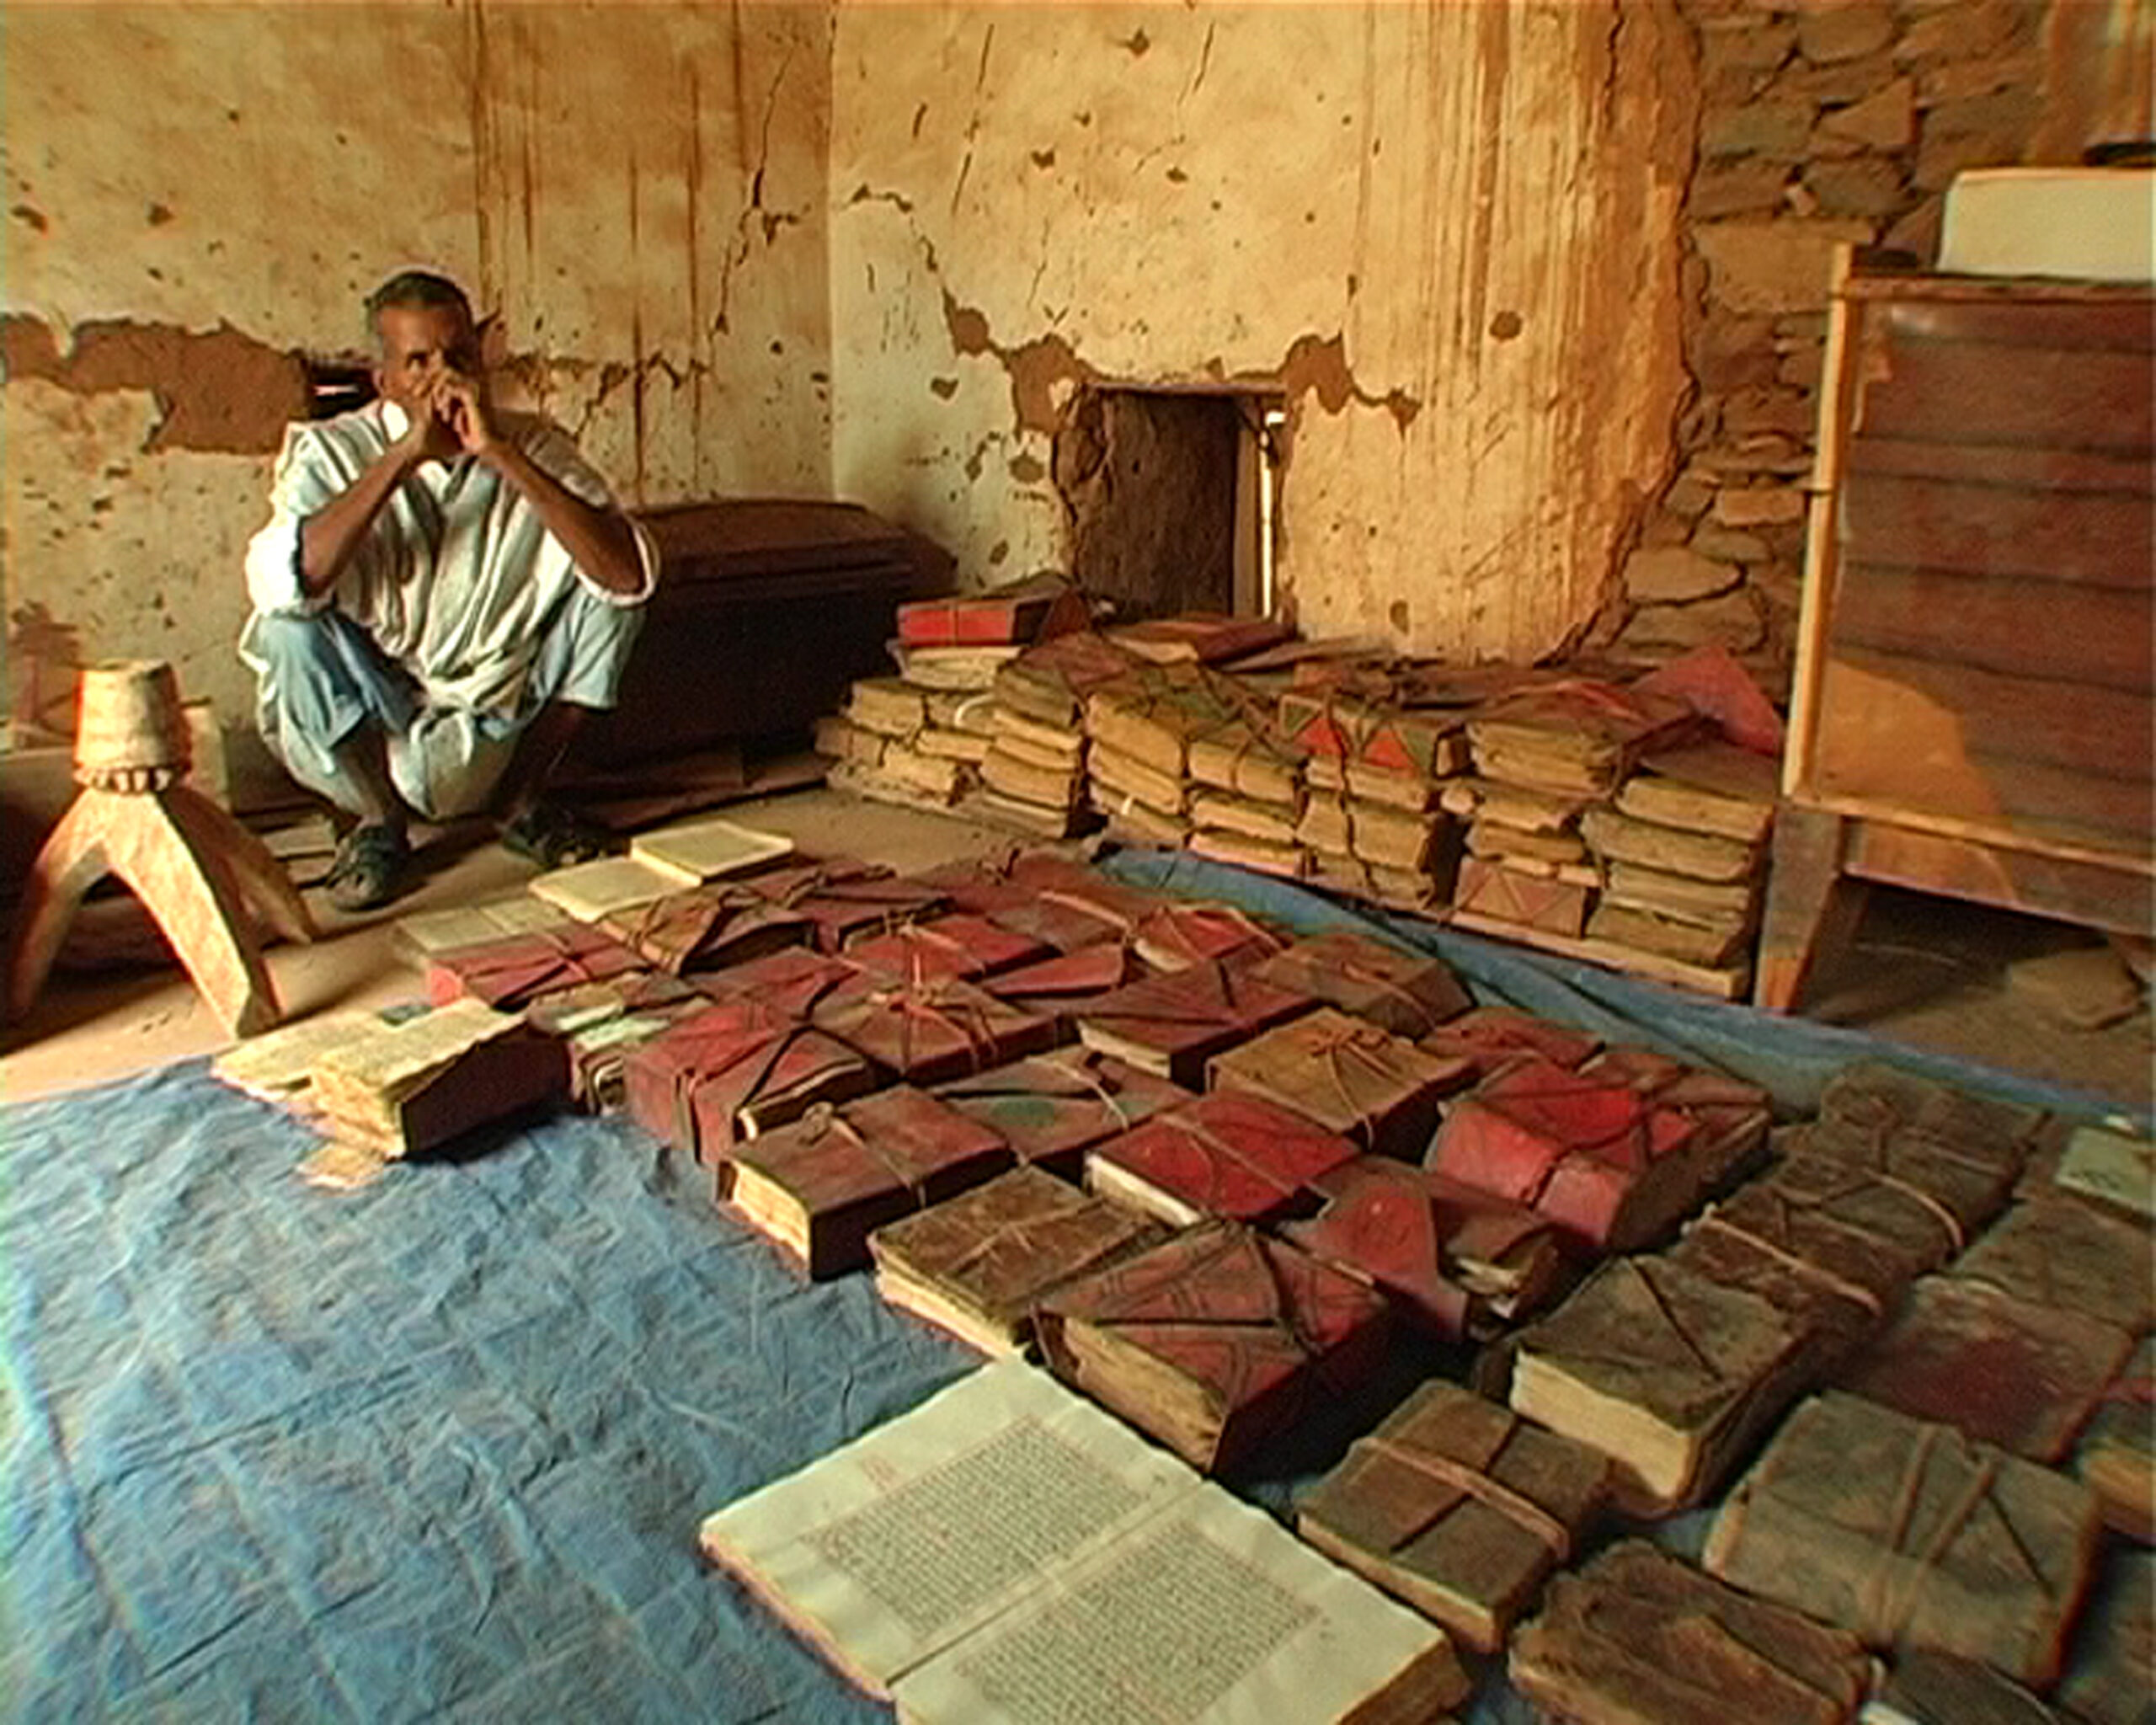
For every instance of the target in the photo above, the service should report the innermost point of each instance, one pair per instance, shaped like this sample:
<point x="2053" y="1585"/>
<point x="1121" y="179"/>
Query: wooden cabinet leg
<point x="1812" y="908"/>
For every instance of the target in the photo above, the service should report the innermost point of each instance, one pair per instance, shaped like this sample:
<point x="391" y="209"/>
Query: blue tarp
<point x="436" y="1449"/>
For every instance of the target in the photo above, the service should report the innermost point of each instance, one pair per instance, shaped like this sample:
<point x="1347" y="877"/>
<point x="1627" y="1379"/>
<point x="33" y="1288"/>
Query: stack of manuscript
<point x="1607" y="1165"/>
<point x="820" y="1186"/>
<point x="961" y="643"/>
<point x="1225" y="1155"/>
<point x="844" y="899"/>
<point x="2116" y="1456"/>
<point x="734" y="1070"/>
<point x="977" y="1265"/>
<point x="1911" y="1535"/>
<point x="1409" y="994"/>
<point x="278" y="1065"/>
<point x="1669" y="1373"/>
<point x="927" y="1029"/>
<point x="603" y="1023"/>
<point x="1215" y="1341"/>
<point x="1172" y="1025"/>
<point x="1035" y="775"/>
<point x="1139" y="730"/>
<point x="1526" y="860"/>
<point x="1198" y="637"/>
<point x="888" y="745"/>
<point x="2020" y="1343"/>
<point x="1006" y="1552"/>
<point x="416" y="1086"/>
<point x="968" y="947"/>
<point x="1683" y="854"/>
<point x="1245" y="791"/>
<point x="1455" y="1261"/>
<point x="710" y="849"/>
<point x="1637" y="1635"/>
<point x="707" y="928"/>
<point x="511" y="973"/>
<point x="1378" y="1090"/>
<point x="1051" y="1109"/>
<point x="1457" y="1506"/>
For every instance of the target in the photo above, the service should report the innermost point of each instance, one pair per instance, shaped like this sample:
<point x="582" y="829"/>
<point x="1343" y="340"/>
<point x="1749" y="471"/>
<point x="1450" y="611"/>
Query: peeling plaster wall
<point x="1449" y="231"/>
<point x="196" y="194"/>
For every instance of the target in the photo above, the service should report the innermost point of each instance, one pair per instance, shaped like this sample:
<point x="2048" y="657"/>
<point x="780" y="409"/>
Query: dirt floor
<point x="1923" y="970"/>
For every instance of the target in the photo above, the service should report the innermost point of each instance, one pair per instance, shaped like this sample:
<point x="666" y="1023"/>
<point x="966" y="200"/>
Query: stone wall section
<point x="1819" y="124"/>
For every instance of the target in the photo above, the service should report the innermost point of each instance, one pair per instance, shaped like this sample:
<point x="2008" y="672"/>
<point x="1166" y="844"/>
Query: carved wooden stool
<point x="202" y="876"/>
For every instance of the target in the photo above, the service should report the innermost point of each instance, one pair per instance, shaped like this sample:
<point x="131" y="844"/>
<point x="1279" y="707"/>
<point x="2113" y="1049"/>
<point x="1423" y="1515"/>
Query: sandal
<point x="554" y="838"/>
<point x="373" y="865"/>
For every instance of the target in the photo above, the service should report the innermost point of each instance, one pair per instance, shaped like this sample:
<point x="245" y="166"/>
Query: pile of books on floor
<point x="1228" y="1185"/>
<point x="923" y="738"/>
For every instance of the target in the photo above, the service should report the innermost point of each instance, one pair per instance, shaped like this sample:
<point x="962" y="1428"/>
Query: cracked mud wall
<point x="1448" y="232"/>
<point x="197" y="195"/>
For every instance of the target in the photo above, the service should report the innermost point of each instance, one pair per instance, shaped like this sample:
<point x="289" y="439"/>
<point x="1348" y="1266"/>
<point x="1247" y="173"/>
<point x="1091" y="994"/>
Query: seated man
<point x="443" y="593"/>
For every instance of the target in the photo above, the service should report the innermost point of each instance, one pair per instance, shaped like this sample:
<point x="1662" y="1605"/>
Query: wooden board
<point x="2103" y="636"/>
<point x="2102" y="539"/>
<point x="1724" y="984"/>
<point x="2086" y="893"/>
<point x="1987" y="391"/>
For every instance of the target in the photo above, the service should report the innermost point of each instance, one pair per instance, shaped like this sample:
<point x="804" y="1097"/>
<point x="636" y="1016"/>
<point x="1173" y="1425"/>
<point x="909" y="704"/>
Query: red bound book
<point x="1494" y="1036"/>
<point x="1061" y="988"/>
<point x="1177" y="936"/>
<point x="1009" y="616"/>
<point x="1216" y="1340"/>
<point x="1489" y="889"/>
<point x="707" y="928"/>
<point x="790" y="983"/>
<point x="1459" y="1261"/>
<point x="1599" y="1160"/>
<point x="760" y="1069"/>
<point x="1408" y="994"/>
<point x="821" y="1185"/>
<point x="1732" y="1118"/>
<point x="845" y="898"/>
<point x="1051" y="1108"/>
<point x="1230" y="1153"/>
<point x="510" y="975"/>
<point x="1172" y="1025"/>
<point x="968" y="947"/>
<point x="931" y="1030"/>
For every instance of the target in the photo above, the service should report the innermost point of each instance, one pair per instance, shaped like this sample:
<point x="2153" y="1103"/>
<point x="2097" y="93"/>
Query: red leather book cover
<point x="1051" y="1108"/>
<point x="1230" y="1153"/>
<point x="1732" y="1118"/>
<point x="931" y="1030"/>
<point x="1494" y="1036"/>
<point x="845" y="898"/>
<point x="1409" y="994"/>
<point x="968" y="947"/>
<point x="1598" y="1159"/>
<point x="1011" y="616"/>
<point x="707" y="928"/>
<point x="576" y="1009"/>
<point x="1177" y="936"/>
<point x="1488" y="889"/>
<point x="1173" y="1024"/>
<point x="790" y="982"/>
<point x="1456" y="1259"/>
<point x="510" y="975"/>
<point x="752" y="1056"/>
<point x="849" y="1170"/>
<point x="1253" y="1333"/>
<point x="1062" y="987"/>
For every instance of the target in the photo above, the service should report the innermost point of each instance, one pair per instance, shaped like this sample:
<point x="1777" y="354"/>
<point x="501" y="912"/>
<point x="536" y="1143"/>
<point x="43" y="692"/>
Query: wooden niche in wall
<point x="1169" y="494"/>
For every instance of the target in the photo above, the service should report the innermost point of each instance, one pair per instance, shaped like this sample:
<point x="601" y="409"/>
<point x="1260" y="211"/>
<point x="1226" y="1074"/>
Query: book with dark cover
<point x="1638" y="1635"/>
<point x="1063" y="987"/>
<point x="1457" y="1261"/>
<point x="707" y="928"/>
<point x="735" y="1068"/>
<point x="847" y="900"/>
<point x="1051" y="1109"/>
<point x="510" y="975"/>
<point x="979" y="1264"/>
<point x="1172" y="1025"/>
<point x="927" y="1032"/>
<point x="1057" y="922"/>
<point x="820" y="1186"/>
<point x="1670" y="1373"/>
<point x="1964" y="1192"/>
<point x="968" y="947"/>
<point x="1178" y="937"/>
<point x="1731" y="1118"/>
<point x="2117" y="1458"/>
<point x="1899" y="1210"/>
<point x="1229" y="1154"/>
<point x="1602" y="1161"/>
<point x="1493" y="1036"/>
<point x="1910" y="1535"/>
<point x="2000" y="1369"/>
<point x="1457" y="1506"/>
<point x="1928" y="1688"/>
<point x="2061" y="1251"/>
<point x="1214" y="1341"/>
<point x="790" y="982"/>
<point x="1582" y="736"/>
<point x="601" y="1023"/>
<point x="2107" y="1678"/>
<point x="1379" y="1091"/>
<point x="1873" y="1097"/>
<point x="1409" y="994"/>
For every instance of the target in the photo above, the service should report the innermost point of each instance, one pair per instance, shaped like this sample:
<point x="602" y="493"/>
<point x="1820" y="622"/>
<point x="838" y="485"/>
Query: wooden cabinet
<point x="1972" y="710"/>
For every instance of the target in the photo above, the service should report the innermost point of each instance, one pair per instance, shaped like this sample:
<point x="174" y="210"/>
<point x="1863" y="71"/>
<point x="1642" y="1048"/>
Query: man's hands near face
<point x="428" y="437"/>
<point x="461" y="404"/>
